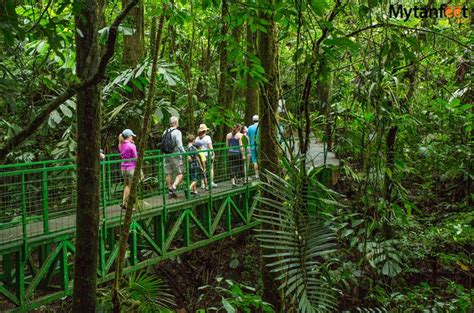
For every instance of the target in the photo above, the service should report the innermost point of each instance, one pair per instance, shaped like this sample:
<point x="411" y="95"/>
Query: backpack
<point x="167" y="144"/>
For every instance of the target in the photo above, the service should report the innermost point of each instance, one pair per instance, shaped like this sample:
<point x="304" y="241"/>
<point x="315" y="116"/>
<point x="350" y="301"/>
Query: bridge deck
<point x="112" y="212"/>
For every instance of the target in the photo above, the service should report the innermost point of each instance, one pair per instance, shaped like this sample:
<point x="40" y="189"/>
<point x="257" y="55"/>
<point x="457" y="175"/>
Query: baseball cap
<point x="127" y="133"/>
<point x="255" y="118"/>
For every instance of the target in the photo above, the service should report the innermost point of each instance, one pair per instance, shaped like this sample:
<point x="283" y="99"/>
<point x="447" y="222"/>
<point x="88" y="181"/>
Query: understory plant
<point x="234" y="297"/>
<point x="296" y="237"/>
<point x="142" y="292"/>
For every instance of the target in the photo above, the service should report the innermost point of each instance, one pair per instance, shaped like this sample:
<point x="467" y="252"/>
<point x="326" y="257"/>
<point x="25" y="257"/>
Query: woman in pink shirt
<point x="128" y="152"/>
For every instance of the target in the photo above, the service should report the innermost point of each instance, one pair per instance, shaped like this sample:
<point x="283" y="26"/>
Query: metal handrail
<point x="108" y="197"/>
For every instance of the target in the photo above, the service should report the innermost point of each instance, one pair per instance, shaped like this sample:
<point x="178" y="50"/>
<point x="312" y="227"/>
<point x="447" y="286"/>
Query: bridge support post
<point x="64" y="267"/>
<point x="159" y="231"/>
<point x="102" y="256"/>
<point x="186" y="229"/>
<point x="7" y="276"/>
<point x="20" y="279"/>
<point x="228" y="214"/>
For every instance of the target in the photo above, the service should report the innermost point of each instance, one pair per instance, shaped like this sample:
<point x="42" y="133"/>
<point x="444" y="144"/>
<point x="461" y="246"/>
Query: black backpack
<point x="167" y="143"/>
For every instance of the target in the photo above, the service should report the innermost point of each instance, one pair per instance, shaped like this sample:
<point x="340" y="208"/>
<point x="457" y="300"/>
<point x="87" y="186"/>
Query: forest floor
<point x="235" y="258"/>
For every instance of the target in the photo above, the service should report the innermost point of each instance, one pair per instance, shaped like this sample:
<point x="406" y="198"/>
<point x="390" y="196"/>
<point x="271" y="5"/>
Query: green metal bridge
<point x="37" y="222"/>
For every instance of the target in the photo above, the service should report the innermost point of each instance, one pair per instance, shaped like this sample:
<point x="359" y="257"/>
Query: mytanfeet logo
<point x="458" y="12"/>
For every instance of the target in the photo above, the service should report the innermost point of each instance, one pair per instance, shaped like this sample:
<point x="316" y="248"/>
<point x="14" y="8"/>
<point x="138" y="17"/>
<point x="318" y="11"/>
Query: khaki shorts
<point x="174" y="165"/>
<point x="128" y="176"/>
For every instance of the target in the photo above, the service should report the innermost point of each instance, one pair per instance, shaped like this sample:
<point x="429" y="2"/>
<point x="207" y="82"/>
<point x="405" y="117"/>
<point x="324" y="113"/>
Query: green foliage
<point x="142" y="292"/>
<point x="295" y="242"/>
<point x="383" y="256"/>
<point x="424" y="297"/>
<point x="234" y="297"/>
<point x="403" y="220"/>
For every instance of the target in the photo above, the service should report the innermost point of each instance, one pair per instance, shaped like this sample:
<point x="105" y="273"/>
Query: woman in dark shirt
<point x="236" y="154"/>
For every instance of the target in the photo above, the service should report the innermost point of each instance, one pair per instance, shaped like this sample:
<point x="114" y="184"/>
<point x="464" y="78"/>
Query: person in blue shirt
<point x="253" y="135"/>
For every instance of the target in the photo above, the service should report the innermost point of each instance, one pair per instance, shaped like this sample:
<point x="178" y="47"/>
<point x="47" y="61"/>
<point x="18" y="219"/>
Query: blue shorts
<point x="253" y="155"/>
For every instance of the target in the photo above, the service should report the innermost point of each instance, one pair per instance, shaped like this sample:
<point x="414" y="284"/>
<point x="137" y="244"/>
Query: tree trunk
<point x="202" y="87"/>
<point x="236" y="32"/>
<point x="323" y="93"/>
<point x="134" y="45"/>
<point x="251" y="91"/>
<point x="172" y="56"/>
<point x="88" y="139"/>
<point x="392" y="133"/>
<point x="303" y="134"/>
<point x="269" y="152"/>
<point x="189" y="77"/>
<point x="223" y="95"/>
<point x="269" y="95"/>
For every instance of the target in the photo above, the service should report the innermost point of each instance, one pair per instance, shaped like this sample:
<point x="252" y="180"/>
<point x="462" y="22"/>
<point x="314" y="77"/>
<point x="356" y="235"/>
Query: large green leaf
<point x="294" y="243"/>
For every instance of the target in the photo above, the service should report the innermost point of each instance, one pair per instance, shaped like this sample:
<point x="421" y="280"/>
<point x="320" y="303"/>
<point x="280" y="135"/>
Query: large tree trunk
<point x="172" y="55"/>
<point x="236" y="33"/>
<point x="251" y="91"/>
<point x="189" y="78"/>
<point x="269" y="152"/>
<point x="223" y="95"/>
<point x="134" y="45"/>
<point x="88" y="138"/>
<point x="269" y="95"/>
<point x="202" y="87"/>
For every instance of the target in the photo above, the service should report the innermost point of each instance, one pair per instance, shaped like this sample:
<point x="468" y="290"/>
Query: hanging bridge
<point x="37" y="220"/>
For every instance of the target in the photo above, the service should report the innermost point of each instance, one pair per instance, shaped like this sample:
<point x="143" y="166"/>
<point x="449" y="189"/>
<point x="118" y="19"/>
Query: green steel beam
<point x="10" y="296"/>
<point x="161" y="225"/>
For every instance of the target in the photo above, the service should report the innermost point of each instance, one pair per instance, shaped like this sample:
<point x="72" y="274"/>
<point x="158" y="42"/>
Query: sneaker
<point x="172" y="192"/>
<point x="124" y="208"/>
<point x="234" y="185"/>
<point x="214" y="185"/>
<point x="203" y="187"/>
<point x="194" y="193"/>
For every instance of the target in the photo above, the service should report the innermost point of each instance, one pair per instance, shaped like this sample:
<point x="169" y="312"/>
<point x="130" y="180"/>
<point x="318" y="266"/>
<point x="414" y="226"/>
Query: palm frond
<point x="295" y="243"/>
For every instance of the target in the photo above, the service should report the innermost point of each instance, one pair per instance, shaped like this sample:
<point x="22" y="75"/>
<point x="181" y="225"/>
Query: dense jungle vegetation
<point x="390" y="229"/>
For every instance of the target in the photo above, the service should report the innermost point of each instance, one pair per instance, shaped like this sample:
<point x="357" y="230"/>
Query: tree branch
<point x="72" y="89"/>
<point x="40" y="17"/>
<point x="409" y="28"/>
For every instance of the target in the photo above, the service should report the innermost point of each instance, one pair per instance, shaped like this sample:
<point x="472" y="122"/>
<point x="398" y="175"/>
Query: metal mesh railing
<point x="40" y="198"/>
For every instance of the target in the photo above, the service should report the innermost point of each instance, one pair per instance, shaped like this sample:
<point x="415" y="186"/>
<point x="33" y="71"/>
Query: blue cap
<point x="127" y="133"/>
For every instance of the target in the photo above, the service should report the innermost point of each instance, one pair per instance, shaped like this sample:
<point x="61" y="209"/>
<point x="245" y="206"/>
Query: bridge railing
<point x="40" y="198"/>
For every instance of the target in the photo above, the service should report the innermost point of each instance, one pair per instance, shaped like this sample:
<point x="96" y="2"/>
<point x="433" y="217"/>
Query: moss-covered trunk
<point x="224" y="94"/>
<point x="88" y="145"/>
<point x="269" y="151"/>
<point x="251" y="88"/>
<point x="134" y="44"/>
